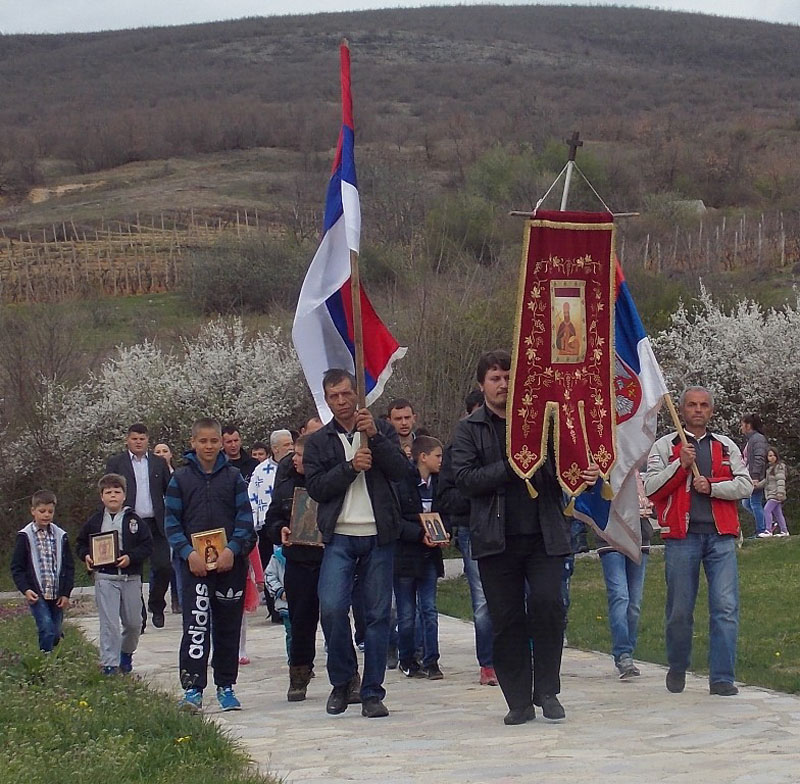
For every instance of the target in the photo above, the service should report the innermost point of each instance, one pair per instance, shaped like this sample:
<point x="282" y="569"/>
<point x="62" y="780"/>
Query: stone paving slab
<point x="626" y="732"/>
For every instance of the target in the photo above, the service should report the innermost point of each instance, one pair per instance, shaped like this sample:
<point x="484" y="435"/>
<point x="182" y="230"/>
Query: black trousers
<point x="300" y="581"/>
<point x="160" y="568"/>
<point x="212" y="616"/>
<point x="518" y="620"/>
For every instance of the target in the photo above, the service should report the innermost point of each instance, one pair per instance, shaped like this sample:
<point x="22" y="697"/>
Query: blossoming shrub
<point x="748" y="356"/>
<point x="254" y="381"/>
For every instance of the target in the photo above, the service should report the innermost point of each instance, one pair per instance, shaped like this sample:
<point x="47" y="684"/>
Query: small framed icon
<point x="304" y="520"/>
<point x="434" y="527"/>
<point x="104" y="548"/>
<point x="209" y="545"/>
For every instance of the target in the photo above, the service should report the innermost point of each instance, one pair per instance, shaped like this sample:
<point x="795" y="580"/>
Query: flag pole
<point x="355" y="278"/>
<point x="358" y="330"/>
<point x="679" y="427"/>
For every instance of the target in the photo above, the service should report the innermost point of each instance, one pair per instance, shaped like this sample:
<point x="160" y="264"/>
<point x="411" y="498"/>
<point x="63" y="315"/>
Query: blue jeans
<point x="416" y="598"/>
<point x="755" y="505"/>
<point x="346" y="556"/>
<point x="480" y="610"/>
<point x="682" y="561"/>
<point x="624" y="585"/>
<point x="48" y="619"/>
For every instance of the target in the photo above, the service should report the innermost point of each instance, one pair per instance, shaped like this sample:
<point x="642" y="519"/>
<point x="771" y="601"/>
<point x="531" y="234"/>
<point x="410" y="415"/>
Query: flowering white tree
<point x="255" y="382"/>
<point x="747" y="356"/>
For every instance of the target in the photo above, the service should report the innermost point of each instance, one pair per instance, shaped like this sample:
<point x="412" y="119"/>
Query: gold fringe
<point x="607" y="492"/>
<point x="569" y="510"/>
<point x="532" y="492"/>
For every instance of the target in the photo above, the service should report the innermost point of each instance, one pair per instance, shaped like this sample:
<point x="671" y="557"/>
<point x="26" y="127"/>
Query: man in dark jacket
<point x="147" y="476"/>
<point x="350" y="464"/>
<point x="237" y="456"/>
<point x="516" y="539"/>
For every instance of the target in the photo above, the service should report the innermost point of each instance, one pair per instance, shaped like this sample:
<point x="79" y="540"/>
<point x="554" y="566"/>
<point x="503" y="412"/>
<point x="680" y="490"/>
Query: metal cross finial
<point x="573" y="143"/>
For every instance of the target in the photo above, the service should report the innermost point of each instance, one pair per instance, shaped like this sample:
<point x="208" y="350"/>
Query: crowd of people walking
<point x="217" y="533"/>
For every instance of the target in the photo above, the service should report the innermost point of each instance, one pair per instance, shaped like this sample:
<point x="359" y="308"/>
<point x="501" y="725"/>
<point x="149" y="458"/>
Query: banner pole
<point x="679" y="427"/>
<point x="573" y="143"/>
<point x="567" y="182"/>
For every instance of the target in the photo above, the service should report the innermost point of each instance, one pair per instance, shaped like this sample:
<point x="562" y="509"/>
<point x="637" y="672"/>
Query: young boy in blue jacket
<point x="43" y="569"/>
<point x="205" y="494"/>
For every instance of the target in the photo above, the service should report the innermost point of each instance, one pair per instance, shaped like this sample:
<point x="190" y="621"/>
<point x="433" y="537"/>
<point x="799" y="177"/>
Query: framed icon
<point x="434" y="527"/>
<point x="104" y="548"/>
<point x="209" y="545"/>
<point x="303" y="523"/>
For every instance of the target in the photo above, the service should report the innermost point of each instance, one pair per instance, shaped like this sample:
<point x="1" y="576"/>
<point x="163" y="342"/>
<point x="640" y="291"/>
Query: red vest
<point x="672" y="499"/>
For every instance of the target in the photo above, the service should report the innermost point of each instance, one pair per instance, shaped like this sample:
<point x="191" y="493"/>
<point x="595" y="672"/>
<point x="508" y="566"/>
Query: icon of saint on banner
<point x="568" y="321"/>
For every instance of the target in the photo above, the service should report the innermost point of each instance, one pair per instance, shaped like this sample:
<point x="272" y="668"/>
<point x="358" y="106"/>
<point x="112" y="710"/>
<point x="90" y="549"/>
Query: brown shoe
<point x="298" y="682"/>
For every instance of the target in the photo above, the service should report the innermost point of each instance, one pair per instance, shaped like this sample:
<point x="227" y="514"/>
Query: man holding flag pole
<point x="347" y="353"/>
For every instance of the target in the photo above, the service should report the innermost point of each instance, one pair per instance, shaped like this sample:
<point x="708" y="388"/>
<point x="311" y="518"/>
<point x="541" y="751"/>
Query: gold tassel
<point x="569" y="511"/>
<point x="607" y="492"/>
<point x="532" y="492"/>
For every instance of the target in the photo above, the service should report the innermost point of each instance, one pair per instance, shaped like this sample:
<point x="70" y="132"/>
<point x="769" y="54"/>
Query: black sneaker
<point x="676" y="681"/>
<point x="411" y="669"/>
<point x="337" y="701"/>
<point x="373" y="708"/>
<point x="520" y="715"/>
<point x="551" y="707"/>
<point x="158" y="620"/>
<point x="723" y="689"/>
<point x="432" y="672"/>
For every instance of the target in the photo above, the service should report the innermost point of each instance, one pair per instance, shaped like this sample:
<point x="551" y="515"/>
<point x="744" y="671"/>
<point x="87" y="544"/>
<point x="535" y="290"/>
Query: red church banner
<point x="562" y="368"/>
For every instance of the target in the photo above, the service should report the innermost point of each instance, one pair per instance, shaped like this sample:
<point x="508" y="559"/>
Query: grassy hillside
<point x="675" y="101"/>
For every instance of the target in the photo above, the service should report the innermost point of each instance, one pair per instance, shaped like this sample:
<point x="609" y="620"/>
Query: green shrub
<point x="249" y="275"/>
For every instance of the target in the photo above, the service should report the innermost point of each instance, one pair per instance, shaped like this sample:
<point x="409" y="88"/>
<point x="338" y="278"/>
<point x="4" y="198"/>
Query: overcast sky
<point x="59" y="16"/>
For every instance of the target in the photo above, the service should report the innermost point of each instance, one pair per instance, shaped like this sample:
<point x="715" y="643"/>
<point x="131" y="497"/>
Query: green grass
<point x="63" y="722"/>
<point x="769" y="628"/>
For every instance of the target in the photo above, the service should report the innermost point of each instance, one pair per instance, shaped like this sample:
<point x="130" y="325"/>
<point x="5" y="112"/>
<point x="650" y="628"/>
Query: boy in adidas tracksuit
<point x="206" y="494"/>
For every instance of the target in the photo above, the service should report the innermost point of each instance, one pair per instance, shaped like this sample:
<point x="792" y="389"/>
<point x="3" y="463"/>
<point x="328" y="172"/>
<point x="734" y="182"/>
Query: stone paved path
<point x="631" y="732"/>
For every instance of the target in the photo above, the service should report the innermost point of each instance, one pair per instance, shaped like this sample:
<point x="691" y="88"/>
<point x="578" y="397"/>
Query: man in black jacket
<point x="516" y="539"/>
<point x="350" y="464"/>
<point x="147" y="476"/>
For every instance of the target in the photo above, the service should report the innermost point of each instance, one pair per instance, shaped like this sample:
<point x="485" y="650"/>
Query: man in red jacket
<point x="700" y="524"/>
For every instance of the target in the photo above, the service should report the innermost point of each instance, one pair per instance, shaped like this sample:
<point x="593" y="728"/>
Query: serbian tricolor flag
<point x="323" y="332"/>
<point x="639" y="388"/>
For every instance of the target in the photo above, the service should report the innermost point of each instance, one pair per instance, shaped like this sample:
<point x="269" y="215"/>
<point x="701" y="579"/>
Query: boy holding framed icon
<point x="418" y="562"/>
<point x="207" y="503"/>
<point x="114" y="543"/>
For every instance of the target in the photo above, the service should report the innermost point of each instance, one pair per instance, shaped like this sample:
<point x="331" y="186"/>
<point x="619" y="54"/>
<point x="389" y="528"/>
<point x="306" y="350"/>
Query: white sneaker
<point x="765" y="535"/>
<point x="782" y="533"/>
